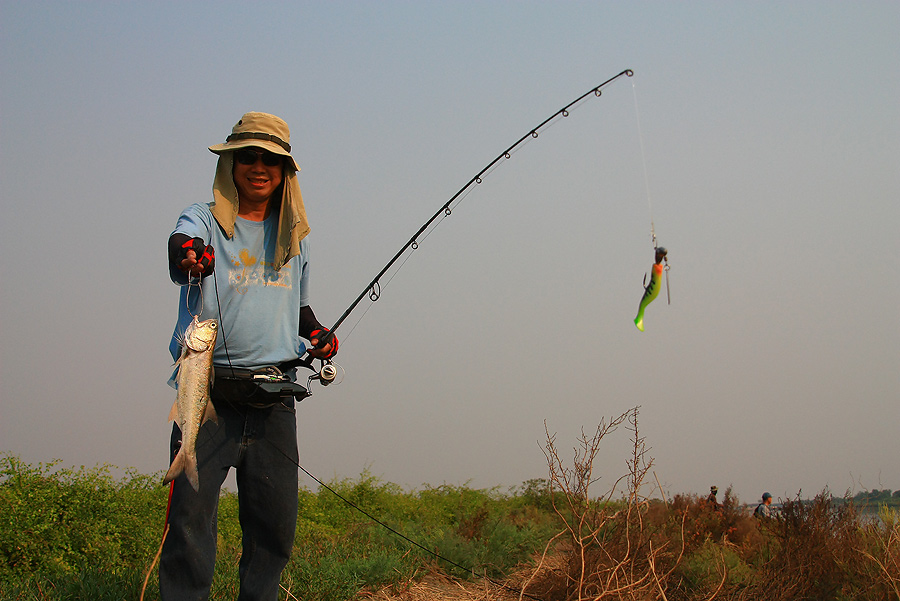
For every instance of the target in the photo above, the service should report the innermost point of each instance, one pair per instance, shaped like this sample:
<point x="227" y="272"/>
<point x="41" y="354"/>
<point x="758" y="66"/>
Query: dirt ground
<point x="438" y="587"/>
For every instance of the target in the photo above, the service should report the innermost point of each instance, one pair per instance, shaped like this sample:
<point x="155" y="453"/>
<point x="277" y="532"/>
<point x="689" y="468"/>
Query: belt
<point x="240" y="384"/>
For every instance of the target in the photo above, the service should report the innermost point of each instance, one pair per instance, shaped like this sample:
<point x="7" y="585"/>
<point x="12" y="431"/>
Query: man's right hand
<point x="191" y="255"/>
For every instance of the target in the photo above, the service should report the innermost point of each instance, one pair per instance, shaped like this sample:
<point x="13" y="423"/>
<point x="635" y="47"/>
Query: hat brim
<point x="264" y="144"/>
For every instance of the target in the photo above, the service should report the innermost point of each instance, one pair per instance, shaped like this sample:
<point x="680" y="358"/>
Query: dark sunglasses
<point x="249" y="157"/>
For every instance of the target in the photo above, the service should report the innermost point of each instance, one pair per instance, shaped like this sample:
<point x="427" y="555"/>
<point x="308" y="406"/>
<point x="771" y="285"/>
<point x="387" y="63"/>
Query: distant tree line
<point x="876" y="496"/>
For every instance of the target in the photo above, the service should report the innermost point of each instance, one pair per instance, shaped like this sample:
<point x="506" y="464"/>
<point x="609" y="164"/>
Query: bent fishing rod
<point x="373" y="289"/>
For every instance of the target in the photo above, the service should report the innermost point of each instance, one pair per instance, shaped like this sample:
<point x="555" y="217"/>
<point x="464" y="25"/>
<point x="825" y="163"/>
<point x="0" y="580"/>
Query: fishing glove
<point x="311" y="328"/>
<point x="180" y="244"/>
<point x="320" y="334"/>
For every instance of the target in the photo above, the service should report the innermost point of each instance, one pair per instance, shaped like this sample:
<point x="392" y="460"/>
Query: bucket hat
<point x="260" y="130"/>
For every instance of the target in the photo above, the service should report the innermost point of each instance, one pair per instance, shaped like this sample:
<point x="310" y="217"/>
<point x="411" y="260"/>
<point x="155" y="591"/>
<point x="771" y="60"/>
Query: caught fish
<point x="651" y="290"/>
<point x="192" y="404"/>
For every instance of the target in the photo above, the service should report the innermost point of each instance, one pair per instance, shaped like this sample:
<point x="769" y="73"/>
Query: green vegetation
<point x="82" y="534"/>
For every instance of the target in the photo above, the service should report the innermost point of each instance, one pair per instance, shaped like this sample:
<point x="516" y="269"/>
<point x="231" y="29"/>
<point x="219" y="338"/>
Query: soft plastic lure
<point x="651" y="290"/>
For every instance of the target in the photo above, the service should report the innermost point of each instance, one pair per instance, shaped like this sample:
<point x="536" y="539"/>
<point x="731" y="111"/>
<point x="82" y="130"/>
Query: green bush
<point x="82" y="534"/>
<point x="61" y="521"/>
<point x="711" y="564"/>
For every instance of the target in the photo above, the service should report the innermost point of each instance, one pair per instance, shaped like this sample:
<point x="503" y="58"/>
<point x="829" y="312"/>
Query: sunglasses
<point x="249" y="157"/>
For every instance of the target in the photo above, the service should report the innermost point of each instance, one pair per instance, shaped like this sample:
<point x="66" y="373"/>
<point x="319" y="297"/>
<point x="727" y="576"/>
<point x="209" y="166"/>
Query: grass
<point x="81" y="534"/>
<point x="72" y="534"/>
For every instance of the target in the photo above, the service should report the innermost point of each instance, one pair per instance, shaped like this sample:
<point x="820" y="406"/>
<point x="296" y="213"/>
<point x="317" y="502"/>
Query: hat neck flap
<point x="293" y="225"/>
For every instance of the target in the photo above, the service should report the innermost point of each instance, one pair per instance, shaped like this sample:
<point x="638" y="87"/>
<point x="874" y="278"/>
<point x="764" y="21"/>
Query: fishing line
<point x="224" y="337"/>
<point x="187" y="302"/>
<point x="637" y="115"/>
<point x="373" y="289"/>
<point x="660" y="253"/>
<point x="187" y="297"/>
<point x="396" y="532"/>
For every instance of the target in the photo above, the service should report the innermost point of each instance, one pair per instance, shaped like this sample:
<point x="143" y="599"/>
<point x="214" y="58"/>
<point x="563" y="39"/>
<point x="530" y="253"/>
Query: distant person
<point x="711" y="499"/>
<point x="762" y="510"/>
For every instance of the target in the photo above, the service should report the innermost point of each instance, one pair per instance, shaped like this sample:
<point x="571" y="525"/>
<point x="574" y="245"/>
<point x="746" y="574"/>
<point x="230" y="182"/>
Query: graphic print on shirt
<point x="250" y="271"/>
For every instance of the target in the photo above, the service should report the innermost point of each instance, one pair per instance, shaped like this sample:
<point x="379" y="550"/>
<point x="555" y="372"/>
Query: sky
<point x="762" y="140"/>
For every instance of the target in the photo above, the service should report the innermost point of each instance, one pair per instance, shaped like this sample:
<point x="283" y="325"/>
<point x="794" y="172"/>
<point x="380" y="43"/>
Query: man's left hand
<point x="325" y="352"/>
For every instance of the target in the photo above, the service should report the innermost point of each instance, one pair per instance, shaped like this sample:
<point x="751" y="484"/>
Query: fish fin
<point x="176" y="469"/>
<point x="173" y="414"/>
<point x="179" y="340"/>
<point x="210" y="413"/>
<point x="190" y="472"/>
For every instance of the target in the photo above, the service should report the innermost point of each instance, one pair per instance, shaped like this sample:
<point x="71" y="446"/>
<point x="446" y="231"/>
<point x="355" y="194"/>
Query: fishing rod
<point x="373" y="289"/>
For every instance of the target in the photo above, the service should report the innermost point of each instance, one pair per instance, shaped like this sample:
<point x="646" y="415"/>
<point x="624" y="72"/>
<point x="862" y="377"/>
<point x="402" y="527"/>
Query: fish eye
<point x="214" y="325"/>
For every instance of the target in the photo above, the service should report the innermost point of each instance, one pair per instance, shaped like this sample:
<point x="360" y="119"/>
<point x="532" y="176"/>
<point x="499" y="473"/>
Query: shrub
<point x="61" y="521"/>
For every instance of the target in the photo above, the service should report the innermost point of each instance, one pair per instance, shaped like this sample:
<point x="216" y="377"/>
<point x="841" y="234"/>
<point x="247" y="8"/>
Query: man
<point x="711" y="499"/>
<point x="249" y="249"/>
<point x="762" y="510"/>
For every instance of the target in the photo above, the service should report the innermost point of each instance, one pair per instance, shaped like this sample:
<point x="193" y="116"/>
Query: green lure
<point x="651" y="290"/>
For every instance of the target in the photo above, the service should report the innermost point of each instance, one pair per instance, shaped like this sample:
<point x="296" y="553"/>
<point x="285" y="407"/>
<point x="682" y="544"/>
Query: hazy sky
<point x="772" y="140"/>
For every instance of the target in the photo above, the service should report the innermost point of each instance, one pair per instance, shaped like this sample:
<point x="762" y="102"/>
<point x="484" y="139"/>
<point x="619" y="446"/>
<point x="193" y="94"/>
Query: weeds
<point x="80" y="534"/>
<point x="882" y="549"/>
<point x="627" y="545"/>
<point x="608" y="548"/>
<point x="824" y="550"/>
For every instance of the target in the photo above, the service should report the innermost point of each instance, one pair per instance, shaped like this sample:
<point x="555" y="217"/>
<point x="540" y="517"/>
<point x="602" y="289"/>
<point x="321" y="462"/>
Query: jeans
<point x="261" y="443"/>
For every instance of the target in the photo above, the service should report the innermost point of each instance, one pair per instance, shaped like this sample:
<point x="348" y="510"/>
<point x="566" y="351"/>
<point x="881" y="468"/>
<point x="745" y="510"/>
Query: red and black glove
<point x="324" y="336"/>
<point x="180" y="244"/>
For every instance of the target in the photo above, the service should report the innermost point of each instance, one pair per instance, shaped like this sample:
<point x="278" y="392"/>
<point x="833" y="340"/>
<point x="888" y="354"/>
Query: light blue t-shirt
<point x="260" y="307"/>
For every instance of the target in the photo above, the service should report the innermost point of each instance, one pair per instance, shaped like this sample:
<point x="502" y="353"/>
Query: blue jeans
<point x="261" y="443"/>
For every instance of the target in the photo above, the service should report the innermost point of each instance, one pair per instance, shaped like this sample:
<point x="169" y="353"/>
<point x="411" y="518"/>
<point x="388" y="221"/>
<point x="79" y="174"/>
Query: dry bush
<point x="607" y="549"/>
<point x="625" y="545"/>
<point x="720" y="545"/>
<point x="881" y="549"/>
<point x="820" y="550"/>
<point x="729" y="522"/>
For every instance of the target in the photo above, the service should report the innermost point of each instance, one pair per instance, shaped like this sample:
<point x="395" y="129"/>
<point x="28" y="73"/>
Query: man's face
<point x="256" y="181"/>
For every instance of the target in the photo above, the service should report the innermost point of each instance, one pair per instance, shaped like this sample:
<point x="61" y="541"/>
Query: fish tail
<point x="639" y="320"/>
<point x="184" y="464"/>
